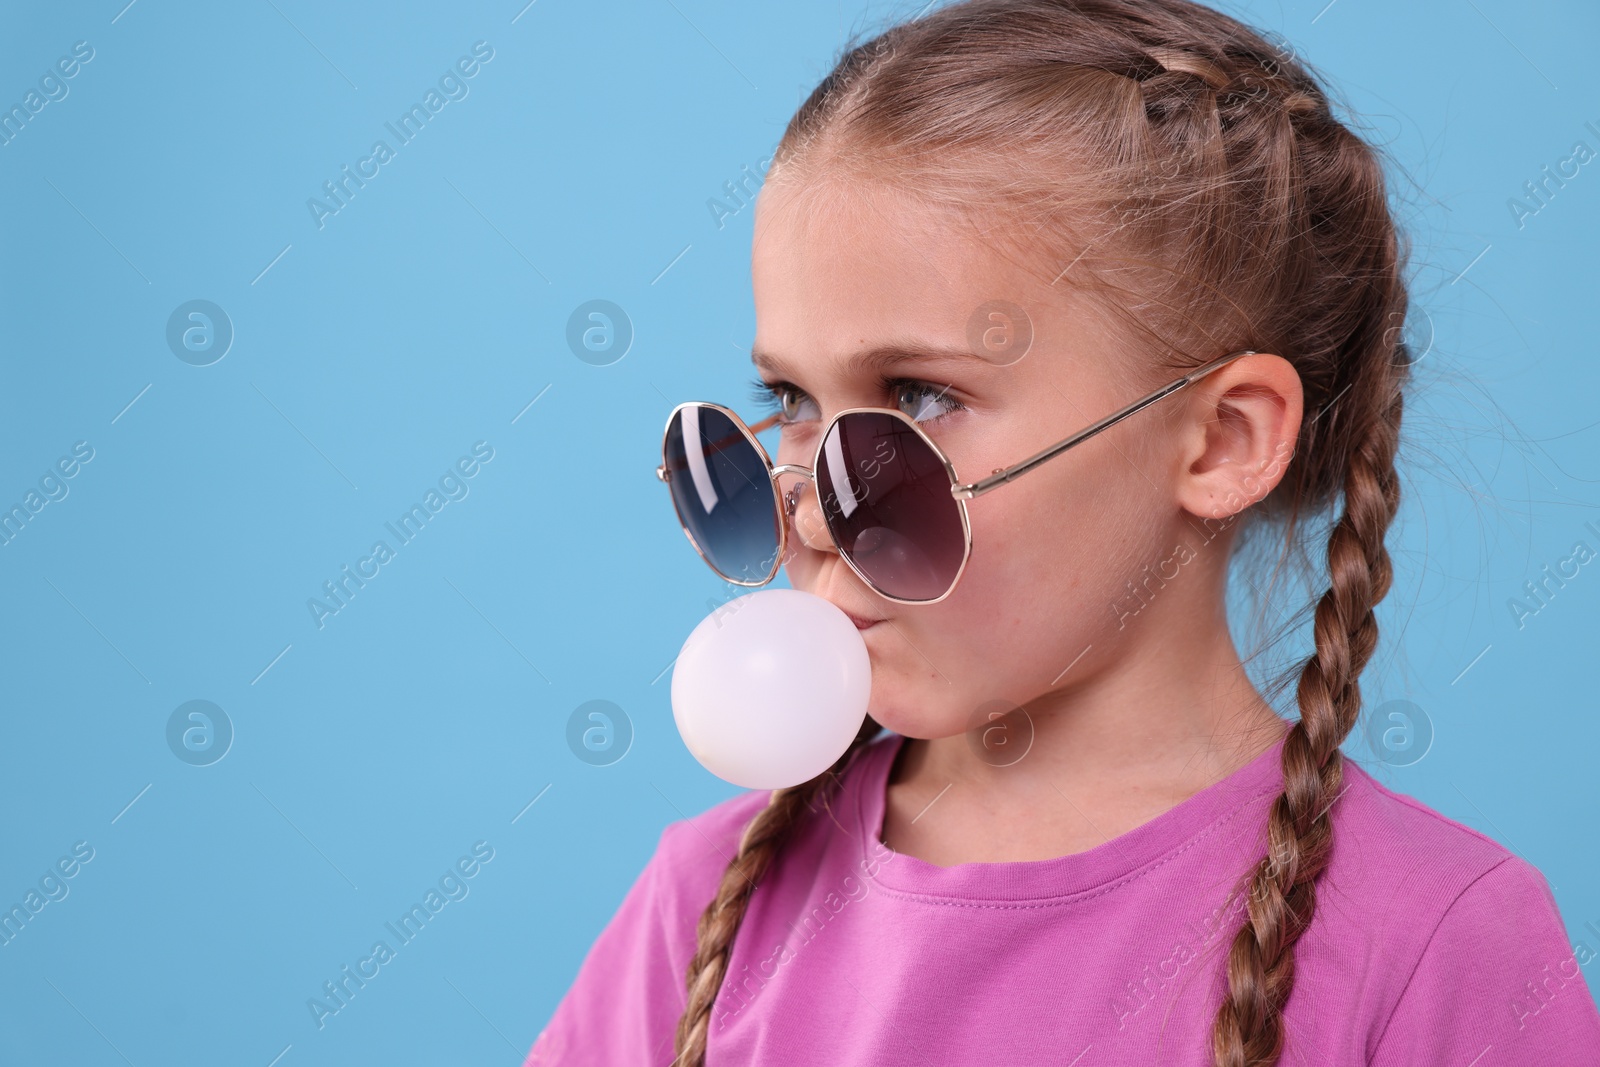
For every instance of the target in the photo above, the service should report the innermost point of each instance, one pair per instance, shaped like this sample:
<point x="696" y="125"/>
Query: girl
<point x="1071" y="830"/>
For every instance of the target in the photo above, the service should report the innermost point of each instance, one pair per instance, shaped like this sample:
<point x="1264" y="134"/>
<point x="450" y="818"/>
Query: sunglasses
<point x="890" y="498"/>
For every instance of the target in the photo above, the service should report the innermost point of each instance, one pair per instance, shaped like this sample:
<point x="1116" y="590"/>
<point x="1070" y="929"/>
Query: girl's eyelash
<point x="763" y="392"/>
<point x="768" y="394"/>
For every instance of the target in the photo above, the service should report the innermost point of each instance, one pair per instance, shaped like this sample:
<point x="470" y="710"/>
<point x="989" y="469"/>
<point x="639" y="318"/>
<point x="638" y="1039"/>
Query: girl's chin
<point x="911" y="721"/>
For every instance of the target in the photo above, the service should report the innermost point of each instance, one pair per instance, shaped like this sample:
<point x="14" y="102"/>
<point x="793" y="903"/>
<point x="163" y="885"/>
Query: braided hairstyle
<point x="1189" y="176"/>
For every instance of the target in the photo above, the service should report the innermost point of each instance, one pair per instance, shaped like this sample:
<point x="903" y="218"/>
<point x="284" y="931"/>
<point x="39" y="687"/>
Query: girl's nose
<point x="805" y="516"/>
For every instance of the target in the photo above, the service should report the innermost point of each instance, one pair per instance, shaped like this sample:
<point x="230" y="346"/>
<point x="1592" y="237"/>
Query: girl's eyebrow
<point x="873" y="359"/>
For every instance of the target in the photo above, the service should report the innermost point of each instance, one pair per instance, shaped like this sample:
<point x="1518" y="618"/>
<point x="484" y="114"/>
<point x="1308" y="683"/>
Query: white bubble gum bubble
<point x="771" y="688"/>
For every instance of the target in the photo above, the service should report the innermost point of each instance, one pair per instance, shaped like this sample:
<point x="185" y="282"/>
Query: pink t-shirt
<point x="1431" y="944"/>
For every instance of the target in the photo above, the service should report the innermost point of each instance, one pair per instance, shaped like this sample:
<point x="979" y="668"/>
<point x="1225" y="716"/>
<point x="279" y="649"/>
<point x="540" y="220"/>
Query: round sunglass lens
<point x="886" y="496"/>
<point x="723" y="493"/>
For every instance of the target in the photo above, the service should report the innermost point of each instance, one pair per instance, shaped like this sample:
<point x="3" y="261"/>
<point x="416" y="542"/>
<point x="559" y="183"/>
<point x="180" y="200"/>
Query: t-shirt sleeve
<point x="629" y="992"/>
<point x="1498" y="983"/>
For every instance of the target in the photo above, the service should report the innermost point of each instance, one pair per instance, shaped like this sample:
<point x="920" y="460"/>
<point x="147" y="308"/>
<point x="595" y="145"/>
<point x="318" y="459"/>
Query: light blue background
<point x="424" y="317"/>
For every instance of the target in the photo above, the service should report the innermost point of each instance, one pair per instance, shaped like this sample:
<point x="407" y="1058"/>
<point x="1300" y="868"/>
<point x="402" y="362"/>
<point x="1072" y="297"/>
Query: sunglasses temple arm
<point x="1000" y="477"/>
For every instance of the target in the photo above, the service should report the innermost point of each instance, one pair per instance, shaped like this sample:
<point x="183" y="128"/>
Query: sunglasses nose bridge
<point x="811" y="529"/>
<point x="793" y="468"/>
<point x="791" y="498"/>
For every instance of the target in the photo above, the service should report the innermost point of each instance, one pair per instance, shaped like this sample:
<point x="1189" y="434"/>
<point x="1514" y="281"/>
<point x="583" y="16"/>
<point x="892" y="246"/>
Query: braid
<point x="1282" y="896"/>
<point x="1363" y="437"/>
<point x="719" y="923"/>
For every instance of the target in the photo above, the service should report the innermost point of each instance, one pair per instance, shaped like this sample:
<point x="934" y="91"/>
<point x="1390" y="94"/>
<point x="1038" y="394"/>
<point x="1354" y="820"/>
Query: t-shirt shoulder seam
<point x="1426" y="945"/>
<point x="1500" y="851"/>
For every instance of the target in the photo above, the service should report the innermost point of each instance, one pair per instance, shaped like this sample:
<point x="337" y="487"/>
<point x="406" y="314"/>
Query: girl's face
<point x="863" y="269"/>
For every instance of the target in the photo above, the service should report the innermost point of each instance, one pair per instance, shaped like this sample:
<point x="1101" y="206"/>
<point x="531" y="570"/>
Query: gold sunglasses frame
<point x="784" y="508"/>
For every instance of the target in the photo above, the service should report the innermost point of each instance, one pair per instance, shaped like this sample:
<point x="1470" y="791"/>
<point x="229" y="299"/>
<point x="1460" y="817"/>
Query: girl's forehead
<point x="862" y="266"/>
<point x="835" y="278"/>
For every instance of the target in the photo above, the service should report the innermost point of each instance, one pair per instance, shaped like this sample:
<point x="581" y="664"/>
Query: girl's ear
<point x="1240" y="428"/>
